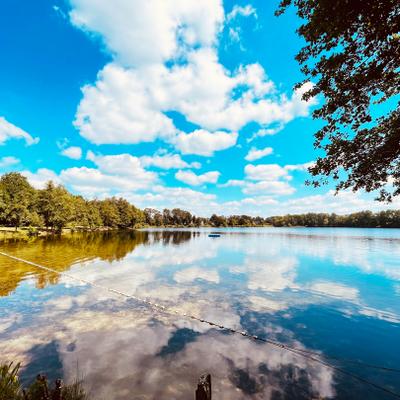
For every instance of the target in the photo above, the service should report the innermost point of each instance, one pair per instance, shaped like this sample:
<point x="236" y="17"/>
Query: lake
<point x="331" y="293"/>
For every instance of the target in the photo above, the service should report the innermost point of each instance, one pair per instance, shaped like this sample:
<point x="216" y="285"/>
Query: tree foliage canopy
<point x="55" y="208"/>
<point x="17" y="198"/>
<point x="55" y="205"/>
<point x="352" y="53"/>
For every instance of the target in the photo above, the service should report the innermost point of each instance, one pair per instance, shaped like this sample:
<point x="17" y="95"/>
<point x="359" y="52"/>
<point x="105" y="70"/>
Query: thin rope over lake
<point x="309" y="355"/>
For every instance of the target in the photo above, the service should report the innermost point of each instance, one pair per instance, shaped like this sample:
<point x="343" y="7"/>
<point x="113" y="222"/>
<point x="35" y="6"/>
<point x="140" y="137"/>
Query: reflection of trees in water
<point x="108" y="246"/>
<point x="60" y="253"/>
<point x="173" y="237"/>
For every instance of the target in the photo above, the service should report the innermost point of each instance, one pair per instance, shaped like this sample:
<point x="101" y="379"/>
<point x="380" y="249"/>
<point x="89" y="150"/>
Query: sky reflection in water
<point x="334" y="291"/>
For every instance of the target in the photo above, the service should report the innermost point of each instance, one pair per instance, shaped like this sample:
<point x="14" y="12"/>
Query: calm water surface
<point x="332" y="291"/>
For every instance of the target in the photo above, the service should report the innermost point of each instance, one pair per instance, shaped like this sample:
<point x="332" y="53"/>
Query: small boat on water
<point x="214" y="235"/>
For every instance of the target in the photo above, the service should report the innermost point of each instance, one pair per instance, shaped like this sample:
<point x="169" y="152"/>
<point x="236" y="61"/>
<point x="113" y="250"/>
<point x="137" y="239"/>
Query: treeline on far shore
<point x="54" y="208"/>
<point x="361" y="219"/>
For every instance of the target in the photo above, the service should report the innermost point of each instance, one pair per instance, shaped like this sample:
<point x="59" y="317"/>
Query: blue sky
<point x="168" y="103"/>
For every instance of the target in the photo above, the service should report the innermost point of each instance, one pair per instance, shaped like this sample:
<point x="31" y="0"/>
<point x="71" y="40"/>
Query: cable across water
<point x="309" y="355"/>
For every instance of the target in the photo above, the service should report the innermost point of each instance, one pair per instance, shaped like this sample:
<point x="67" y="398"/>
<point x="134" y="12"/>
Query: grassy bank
<point x="41" y="389"/>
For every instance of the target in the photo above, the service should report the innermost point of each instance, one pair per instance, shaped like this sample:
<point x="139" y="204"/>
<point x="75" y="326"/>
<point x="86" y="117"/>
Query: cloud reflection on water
<point x="233" y="281"/>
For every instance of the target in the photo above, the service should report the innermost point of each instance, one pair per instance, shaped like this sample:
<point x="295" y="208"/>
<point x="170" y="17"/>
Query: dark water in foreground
<point x="332" y="291"/>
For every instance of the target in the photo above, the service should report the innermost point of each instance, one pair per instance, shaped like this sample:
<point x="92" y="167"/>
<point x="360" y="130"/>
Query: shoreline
<point x="33" y="232"/>
<point x="27" y="233"/>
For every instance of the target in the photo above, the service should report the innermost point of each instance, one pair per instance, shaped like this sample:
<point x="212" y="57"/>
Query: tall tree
<point x="181" y="217"/>
<point x="17" y="199"/>
<point x="167" y="216"/>
<point x="109" y="213"/>
<point x="352" y="53"/>
<point x="127" y="213"/>
<point x="218" y="220"/>
<point x="80" y="212"/>
<point x="55" y="205"/>
<point x="94" y="215"/>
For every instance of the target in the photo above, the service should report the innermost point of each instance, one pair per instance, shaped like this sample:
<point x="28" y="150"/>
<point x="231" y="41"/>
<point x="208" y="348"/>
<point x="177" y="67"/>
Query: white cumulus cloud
<point x="299" y="167"/>
<point x="265" y="180"/>
<point x="8" y="161"/>
<point x="39" y="178"/>
<point x="233" y="183"/>
<point x="192" y="179"/>
<point x="73" y="152"/>
<point x="256" y="154"/>
<point x="244" y="11"/>
<point x="117" y="109"/>
<point x="10" y="131"/>
<point x="167" y="161"/>
<point x="204" y="143"/>
<point x="269" y="187"/>
<point x="139" y="33"/>
<point x="130" y="101"/>
<point x="92" y="182"/>
<point x="265" y="172"/>
<point x="122" y="164"/>
<point x="235" y="29"/>
<point x="119" y="172"/>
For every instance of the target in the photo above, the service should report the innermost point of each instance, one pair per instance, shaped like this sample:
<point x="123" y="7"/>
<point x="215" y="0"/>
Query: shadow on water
<point x="178" y="341"/>
<point x="43" y="358"/>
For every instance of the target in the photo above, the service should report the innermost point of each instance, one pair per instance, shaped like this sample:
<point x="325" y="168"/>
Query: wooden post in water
<point x="203" y="391"/>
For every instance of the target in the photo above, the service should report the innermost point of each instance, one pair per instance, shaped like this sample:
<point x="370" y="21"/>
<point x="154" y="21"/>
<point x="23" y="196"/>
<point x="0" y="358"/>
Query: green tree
<point x="17" y="199"/>
<point x="149" y="214"/>
<point x="109" y="213"/>
<point x="55" y="205"/>
<point x="218" y="220"/>
<point x="352" y="54"/>
<point x="153" y="217"/>
<point x="80" y="213"/>
<point x="181" y="217"/>
<point x="138" y="217"/>
<point x="127" y="213"/>
<point x="167" y="217"/>
<point x="94" y="214"/>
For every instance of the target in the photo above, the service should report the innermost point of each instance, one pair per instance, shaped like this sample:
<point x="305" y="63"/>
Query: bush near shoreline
<point x="11" y="387"/>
